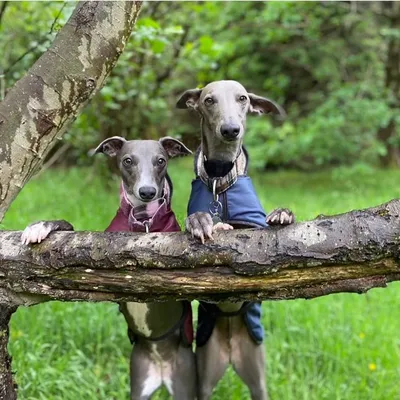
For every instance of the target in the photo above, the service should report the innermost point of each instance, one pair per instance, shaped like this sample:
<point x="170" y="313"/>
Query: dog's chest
<point x="152" y="320"/>
<point x="160" y="371"/>
<point x="139" y="313"/>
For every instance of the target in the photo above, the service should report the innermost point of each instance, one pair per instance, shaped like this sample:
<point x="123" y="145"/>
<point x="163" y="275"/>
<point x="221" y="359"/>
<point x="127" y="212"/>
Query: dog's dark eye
<point x="160" y="161"/>
<point x="209" y="101"/>
<point x="127" y="161"/>
<point x="242" y="99"/>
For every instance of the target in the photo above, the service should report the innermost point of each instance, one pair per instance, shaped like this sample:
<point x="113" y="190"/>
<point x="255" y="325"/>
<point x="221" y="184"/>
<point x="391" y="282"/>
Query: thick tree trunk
<point x="392" y="82"/>
<point x="7" y="385"/>
<point x="386" y="135"/>
<point x="351" y="252"/>
<point x="41" y="106"/>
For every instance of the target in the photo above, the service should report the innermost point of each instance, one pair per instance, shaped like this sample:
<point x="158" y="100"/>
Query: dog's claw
<point x="280" y="216"/>
<point x="200" y="226"/>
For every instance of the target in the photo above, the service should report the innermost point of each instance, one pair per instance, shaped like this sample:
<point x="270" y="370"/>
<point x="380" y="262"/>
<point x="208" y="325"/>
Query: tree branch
<point x="42" y="105"/>
<point x="7" y="384"/>
<point x="166" y="74"/>
<point x="351" y="252"/>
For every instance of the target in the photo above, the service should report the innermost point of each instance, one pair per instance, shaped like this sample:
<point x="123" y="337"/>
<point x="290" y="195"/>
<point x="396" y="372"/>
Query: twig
<point x="22" y="56"/>
<point x="54" y="158"/>
<point x="43" y="40"/>
<point x="3" y="9"/>
<point x="168" y="71"/>
<point x="57" y="18"/>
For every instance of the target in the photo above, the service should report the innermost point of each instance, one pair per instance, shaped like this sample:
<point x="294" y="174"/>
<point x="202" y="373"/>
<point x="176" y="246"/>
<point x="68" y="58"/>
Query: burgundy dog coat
<point x="157" y="216"/>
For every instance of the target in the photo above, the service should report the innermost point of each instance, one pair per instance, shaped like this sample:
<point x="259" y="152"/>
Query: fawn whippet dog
<point x="223" y="197"/>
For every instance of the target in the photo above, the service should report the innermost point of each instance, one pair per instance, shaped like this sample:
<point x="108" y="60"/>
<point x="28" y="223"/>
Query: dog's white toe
<point x="35" y="233"/>
<point x="221" y="226"/>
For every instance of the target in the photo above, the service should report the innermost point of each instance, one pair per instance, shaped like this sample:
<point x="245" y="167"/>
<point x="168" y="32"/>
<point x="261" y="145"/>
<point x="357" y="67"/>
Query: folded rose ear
<point x="174" y="147"/>
<point x="110" y="146"/>
<point x="262" y="105"/>
<point x="189" y="99"/>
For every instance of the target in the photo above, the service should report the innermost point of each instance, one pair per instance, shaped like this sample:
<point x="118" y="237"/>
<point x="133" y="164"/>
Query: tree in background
<point x="389" y="133"/>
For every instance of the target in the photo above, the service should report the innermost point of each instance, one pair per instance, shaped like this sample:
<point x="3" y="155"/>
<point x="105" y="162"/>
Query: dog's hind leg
<point x="145" y="375"/>
<point x="184" y="376"/>
<point x="248" y="359"/>
<point x="212" y="362"/>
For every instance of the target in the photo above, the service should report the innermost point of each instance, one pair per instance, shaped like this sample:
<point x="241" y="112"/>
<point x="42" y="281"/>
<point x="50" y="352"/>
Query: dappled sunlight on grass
<point x="342" y="346"/>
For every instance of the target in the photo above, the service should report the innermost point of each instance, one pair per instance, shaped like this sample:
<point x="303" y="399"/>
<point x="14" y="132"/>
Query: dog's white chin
<point x="136" y="201"/>
<point x="225" y="150"/>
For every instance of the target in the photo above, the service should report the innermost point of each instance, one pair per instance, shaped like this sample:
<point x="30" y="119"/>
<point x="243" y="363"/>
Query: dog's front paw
<point x="221" y="226"/>
<point x="200" y="225"/>
<point x="36" y="232"/>
<point x="280" y="216"/>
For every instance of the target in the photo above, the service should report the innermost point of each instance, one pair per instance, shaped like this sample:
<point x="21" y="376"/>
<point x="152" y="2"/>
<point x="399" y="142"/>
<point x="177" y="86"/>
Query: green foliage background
<point x="326" y="63"/>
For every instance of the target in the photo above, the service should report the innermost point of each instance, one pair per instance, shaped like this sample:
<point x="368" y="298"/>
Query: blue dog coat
<point x="240" y="206"/>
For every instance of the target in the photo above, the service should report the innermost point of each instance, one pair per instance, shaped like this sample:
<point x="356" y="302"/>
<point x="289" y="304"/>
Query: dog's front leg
<point x="38" y="231"/>
<point x="200" y="225"/>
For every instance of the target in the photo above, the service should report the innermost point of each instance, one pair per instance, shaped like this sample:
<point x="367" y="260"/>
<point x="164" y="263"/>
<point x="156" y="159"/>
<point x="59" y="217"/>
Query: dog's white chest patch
<point x="153" y="381"/>
<point x="138" y="312"/>
<point x="159" y="372"/>
<point x="165" y="367"/>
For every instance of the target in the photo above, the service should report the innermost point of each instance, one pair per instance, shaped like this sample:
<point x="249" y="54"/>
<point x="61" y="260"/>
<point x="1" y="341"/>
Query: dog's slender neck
<point x="219" y="157"/>
<point x="218" y="160"/>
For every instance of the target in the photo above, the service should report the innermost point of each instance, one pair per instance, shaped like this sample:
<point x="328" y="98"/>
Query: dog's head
<point x="223" y="106"/>
<point x="143" y="164"/>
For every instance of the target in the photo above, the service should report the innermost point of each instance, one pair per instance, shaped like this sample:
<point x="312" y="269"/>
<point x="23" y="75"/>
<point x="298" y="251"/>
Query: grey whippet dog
<point x="223" y="198"/>
<point x="162" y="331"/>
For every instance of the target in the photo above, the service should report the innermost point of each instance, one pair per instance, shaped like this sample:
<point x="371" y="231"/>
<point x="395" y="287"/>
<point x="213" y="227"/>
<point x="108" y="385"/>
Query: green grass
<point x="342" y="346"/>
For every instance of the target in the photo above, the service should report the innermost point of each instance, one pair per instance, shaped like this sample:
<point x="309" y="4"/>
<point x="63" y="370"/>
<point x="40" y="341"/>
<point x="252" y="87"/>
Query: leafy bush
<point x="327" y="64"/>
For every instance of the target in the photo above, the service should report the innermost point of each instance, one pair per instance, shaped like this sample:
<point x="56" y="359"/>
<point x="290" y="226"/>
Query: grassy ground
<point x="338" y="347"/>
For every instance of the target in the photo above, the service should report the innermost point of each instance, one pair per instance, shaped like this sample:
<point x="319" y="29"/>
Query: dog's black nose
<point x="230" y="131"/>
<point x="147" y="192"/>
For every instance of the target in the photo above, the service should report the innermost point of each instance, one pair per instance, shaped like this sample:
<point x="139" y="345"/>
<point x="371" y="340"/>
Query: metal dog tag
<point x="215" y="205"/>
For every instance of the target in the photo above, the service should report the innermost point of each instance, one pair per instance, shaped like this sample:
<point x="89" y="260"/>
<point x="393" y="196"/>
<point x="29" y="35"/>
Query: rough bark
<point x="41" y="106"/>
<point x="7" y="384"/>
<point x="351" y="252"/>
